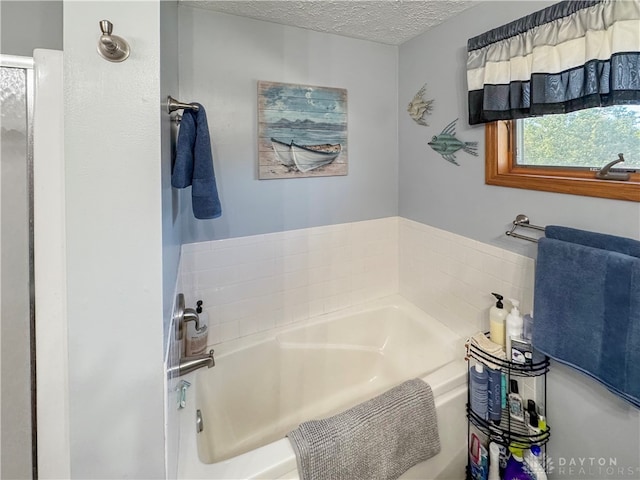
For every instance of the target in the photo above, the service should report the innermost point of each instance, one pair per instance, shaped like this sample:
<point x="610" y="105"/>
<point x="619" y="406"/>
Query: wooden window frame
<point x="501" y="169"/>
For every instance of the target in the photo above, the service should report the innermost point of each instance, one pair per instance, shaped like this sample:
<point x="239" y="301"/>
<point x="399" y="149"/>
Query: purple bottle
<point x="515" y="469"/>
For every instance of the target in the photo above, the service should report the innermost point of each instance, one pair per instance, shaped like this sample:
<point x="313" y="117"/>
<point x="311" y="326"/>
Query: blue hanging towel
<point x="587" y="306"/>
<point x="194" y="164"/>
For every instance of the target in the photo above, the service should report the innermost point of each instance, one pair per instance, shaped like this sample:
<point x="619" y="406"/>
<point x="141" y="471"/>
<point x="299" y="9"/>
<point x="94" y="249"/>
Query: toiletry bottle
<point x="497" y="316"/>
<point x="515" y="325"/>
<point x="479" y="385"/>
<point x="532" y="418"/>
<point x="479" y="460"/>
<point x="532" y="460"/>
<point x="494" y="397"/>
<point x="494" y="461"/>
<point x="527" y="331"/>
<point x="515" y="467"/>
<point x="515" y="402"/>
<point x="504" y="391"/>
<point x="196" y="343"/>
<point x="542" y="420"/>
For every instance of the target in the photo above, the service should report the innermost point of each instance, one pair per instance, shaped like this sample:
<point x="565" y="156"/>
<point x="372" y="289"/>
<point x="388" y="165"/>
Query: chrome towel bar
<point x="523" y="221"/>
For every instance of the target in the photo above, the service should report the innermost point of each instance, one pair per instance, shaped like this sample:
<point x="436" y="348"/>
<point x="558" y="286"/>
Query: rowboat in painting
<point x="283" y="152"/>
<point x="305" y="157"/>
<point x="310" y="157"/>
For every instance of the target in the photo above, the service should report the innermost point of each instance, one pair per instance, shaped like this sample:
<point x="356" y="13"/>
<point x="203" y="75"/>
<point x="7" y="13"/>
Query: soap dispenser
<point x="497" y="316"/>
<point x="196" y="341"/>
<point x="515" y="325"/>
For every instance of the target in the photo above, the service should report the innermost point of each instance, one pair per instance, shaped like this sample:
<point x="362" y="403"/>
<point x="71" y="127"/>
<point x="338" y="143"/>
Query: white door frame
<point x="50" y="267"/>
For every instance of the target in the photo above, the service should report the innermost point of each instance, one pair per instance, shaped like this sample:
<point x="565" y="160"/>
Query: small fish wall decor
<point x="446" y="144"/>
<point x="419" y="107"/>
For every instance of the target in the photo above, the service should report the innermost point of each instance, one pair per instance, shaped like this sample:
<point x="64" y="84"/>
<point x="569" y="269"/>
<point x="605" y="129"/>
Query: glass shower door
<point x="17" y="336"/>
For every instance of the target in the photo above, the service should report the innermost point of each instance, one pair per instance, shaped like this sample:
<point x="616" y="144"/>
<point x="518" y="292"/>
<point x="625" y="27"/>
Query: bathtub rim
<point x="277" y="459"/>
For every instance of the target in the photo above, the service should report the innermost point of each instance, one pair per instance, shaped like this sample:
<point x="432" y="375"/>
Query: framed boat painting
<point x="302" y="131"/>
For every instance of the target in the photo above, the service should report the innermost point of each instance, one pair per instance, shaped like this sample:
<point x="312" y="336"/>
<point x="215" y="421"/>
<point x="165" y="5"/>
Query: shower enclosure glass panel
<point x="17" y="400"/>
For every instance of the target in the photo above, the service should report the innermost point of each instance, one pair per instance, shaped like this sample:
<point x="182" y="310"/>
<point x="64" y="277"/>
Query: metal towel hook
<point x="112" y="47"/>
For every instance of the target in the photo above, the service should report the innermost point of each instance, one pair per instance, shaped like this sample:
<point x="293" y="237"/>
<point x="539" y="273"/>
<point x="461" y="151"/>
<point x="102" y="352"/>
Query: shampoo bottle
<point x="494" y="397"/>
<point x="196" y="343"/>
<point x="479" y="385"/>
<point x="515" y="326"/>
<point x="497" y="316"/>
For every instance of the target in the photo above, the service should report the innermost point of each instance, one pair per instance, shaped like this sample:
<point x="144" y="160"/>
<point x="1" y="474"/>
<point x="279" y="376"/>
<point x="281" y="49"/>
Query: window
<point x="584" y="139"/>
<point x="561" y="153"/>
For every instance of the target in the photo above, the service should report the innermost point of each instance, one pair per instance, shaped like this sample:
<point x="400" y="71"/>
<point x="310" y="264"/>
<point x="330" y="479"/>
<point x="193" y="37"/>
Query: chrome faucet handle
<point x="190" y="315"/>
<point x="182" y="315"/>
<point x="605" y="172"/>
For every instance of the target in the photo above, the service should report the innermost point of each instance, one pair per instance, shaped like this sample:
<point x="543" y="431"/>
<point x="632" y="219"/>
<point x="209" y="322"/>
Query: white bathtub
<point x="265" y="385"/>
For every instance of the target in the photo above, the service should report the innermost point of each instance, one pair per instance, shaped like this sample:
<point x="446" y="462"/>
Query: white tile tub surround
<point x="452" y="277"/>
<point x="252" y="284"/>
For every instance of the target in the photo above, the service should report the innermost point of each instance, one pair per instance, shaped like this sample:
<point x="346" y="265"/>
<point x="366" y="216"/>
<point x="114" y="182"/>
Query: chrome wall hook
<point x="112" y="47"/>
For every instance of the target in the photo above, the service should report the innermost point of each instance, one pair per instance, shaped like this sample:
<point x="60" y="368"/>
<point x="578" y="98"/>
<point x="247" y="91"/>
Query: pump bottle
<point x="196" y="342"/>
<point x="497" y="316"/>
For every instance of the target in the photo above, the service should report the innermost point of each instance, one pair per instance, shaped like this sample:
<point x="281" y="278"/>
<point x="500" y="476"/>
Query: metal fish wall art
<point x="419" y="107"/>
<point x="446" y="144"/>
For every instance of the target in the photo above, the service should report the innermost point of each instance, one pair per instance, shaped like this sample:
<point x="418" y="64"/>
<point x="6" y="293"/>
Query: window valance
<point x="570" y="56"/>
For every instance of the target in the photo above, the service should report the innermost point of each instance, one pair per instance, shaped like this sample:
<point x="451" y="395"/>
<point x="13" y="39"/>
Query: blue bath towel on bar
<point x="587" y="308"/>
<point x="603" y="241"/>
<point x="194" y="164"/>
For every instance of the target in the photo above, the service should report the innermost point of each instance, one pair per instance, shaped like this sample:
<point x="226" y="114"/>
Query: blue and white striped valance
<point x="567" y="57"/>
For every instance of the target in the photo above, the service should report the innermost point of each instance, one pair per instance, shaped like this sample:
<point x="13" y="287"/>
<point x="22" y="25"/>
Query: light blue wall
<point x="221" y="59"/>
<point x="438" y="193"/>
<point x="586" y="420"/>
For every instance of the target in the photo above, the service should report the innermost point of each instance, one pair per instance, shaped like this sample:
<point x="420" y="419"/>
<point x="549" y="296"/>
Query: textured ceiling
<point x="386" y="21"/>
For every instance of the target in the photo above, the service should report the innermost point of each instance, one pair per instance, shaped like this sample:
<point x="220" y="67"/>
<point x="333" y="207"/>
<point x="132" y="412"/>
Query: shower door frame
<point x="52" y="453"/>
<point x="27" y="64"/>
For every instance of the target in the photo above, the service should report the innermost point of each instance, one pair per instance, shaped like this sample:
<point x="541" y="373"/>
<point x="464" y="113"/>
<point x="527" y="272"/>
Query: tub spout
<point x="189" y="364"/>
